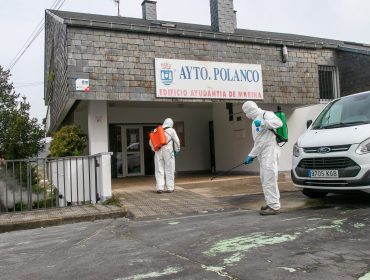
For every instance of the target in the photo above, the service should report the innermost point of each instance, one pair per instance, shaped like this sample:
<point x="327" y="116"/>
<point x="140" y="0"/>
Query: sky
<point x="346" y="20"/>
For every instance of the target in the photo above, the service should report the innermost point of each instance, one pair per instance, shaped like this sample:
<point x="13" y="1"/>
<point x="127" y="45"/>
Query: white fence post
<point x="105" y="182"/>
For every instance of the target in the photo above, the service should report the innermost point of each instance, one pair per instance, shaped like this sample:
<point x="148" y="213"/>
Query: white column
<point x="98" y="127"/>
<point x="98" y="144"/>
<point x="106" y="181"/>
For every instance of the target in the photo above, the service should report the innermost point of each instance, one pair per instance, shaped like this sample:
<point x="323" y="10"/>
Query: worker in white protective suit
<point x="164" y="158"/>
<point x="267" y="151"/>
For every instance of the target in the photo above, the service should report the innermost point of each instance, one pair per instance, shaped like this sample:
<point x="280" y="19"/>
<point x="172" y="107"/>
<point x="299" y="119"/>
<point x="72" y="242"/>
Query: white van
<point x="333" y="154"/>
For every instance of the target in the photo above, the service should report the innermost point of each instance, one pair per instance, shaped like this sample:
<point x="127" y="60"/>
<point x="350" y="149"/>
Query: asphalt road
<point x="327" y="241"/>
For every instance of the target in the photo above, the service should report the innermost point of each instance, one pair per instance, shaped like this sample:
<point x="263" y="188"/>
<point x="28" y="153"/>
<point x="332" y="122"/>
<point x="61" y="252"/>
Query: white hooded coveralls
<point x="266" y="150"/>
<point x="164" y="158"/>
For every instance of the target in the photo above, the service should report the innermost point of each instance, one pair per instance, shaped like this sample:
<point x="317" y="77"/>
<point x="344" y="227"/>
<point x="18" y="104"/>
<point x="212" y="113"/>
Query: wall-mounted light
<point x="284" y="52"/>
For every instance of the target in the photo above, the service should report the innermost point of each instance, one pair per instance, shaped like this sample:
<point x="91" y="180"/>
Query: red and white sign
<point x="83" y="85"/>
<point x="207" y="79"/>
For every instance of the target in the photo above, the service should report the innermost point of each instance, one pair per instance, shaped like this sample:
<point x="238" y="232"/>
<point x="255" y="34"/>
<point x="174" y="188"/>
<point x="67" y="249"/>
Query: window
<point x="328" y="82"/>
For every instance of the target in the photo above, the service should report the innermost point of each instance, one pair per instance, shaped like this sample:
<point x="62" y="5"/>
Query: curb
<point x="23" y="225"/>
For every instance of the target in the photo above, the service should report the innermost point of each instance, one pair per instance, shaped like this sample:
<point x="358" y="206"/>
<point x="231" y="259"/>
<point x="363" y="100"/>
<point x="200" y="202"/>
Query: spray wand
<point x="228" y="171"/>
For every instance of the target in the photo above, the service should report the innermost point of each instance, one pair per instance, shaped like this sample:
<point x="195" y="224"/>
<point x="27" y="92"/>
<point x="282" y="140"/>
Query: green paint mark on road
<point x="173" y="223"/>
<point x="217" y="269"/>
<point x="291" y="219"/>
<point x="288" y="269"/>
<point x="336" y="224"/>
<point x="238" y="246"/>
<point x="328" y="227"/>
<point x="167" y="271"/>
<point x="339" y="222"/>
<point x="244" y="243"/>
<point x="365" y="277"/>
<point x="359" y="225"/>
<point x="233" y="259"/>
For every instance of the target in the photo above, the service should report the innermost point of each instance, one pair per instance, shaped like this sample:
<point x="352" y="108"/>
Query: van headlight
<point x="364" y="147"/>
<point x="296" y="150"/>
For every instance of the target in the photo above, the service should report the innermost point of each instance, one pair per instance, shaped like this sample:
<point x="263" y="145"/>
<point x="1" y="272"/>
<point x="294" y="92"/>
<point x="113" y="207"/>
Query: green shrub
<point x="70" y="140"/>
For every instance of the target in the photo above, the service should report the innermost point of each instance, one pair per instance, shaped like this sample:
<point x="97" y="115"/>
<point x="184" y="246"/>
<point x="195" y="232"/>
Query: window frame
<point x="334" y="82"/>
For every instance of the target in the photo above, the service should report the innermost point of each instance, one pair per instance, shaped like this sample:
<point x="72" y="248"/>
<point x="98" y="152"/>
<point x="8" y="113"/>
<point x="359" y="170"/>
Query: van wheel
<point x="313" y="193"/>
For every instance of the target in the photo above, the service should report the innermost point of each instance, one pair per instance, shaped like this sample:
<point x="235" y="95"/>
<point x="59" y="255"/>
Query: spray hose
<point x="228" y="171"/>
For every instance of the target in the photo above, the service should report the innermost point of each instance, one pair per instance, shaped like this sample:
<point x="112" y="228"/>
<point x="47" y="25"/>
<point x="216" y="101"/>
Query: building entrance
<point x="148" y="153"/>
<point x="133" y="152"/>
<point x="132" y="155"/>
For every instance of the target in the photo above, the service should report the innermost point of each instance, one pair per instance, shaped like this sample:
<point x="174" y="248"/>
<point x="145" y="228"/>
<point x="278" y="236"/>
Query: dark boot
<point x="266" y="210"/>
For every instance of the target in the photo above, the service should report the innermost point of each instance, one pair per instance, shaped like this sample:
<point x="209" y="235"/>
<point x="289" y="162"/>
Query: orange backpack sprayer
<point x="158" y="138"/>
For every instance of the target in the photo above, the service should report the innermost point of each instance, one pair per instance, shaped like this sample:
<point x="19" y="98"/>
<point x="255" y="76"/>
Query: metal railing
<point x="31" y="184"/>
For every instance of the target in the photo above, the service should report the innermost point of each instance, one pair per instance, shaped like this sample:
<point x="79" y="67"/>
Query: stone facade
<point x="120" y="66"/>
<point x="118" y="60"/>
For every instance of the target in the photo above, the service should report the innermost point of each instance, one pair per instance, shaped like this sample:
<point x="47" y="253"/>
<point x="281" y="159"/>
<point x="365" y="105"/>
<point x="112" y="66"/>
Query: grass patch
<point x="114" y="200"/>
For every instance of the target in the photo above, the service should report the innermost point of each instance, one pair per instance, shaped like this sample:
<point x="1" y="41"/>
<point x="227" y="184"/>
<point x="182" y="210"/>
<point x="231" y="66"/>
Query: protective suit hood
<point x="251" y="110"/>
<point x="168" y="123"/>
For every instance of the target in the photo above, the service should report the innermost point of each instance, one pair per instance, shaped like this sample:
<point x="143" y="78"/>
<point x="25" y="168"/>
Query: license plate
<point x="322" y="173"/>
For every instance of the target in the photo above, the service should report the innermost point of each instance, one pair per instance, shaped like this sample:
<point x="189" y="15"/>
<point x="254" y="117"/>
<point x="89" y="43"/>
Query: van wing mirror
<point x="308" y="124"/>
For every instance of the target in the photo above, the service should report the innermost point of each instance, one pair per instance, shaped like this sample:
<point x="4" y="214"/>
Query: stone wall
<point x="120" y="65"/>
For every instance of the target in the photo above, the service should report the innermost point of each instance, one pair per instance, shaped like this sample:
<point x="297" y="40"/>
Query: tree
<point x="20" y="136"/>
<point x="70" y="140"/>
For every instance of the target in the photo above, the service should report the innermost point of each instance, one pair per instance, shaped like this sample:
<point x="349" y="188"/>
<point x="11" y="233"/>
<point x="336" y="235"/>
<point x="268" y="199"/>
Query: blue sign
<point x="167" y="77"/>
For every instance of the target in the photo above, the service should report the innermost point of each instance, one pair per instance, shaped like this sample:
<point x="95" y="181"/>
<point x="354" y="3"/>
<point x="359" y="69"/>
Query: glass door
<point x="132" y="147"/>
<point x="117" y="144"/>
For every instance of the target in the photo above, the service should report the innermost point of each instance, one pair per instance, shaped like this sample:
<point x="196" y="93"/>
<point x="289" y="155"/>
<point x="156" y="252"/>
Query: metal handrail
<point x="39" y="183"/>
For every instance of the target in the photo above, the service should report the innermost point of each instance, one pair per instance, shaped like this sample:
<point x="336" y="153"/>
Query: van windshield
<point x="347" y="111"/>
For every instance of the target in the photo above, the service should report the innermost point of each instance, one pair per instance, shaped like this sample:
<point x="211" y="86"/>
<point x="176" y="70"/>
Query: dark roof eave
<point x="204" y="32"/>
<point x="354" y="50"/>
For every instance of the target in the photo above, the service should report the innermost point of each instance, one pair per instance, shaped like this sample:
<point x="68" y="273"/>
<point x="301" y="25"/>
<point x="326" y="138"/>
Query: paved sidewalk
<point x="58" y="216"/>
<point x="196" y="194"/>
<point x="193" y="194"/>
<point x="146" y="203"/>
